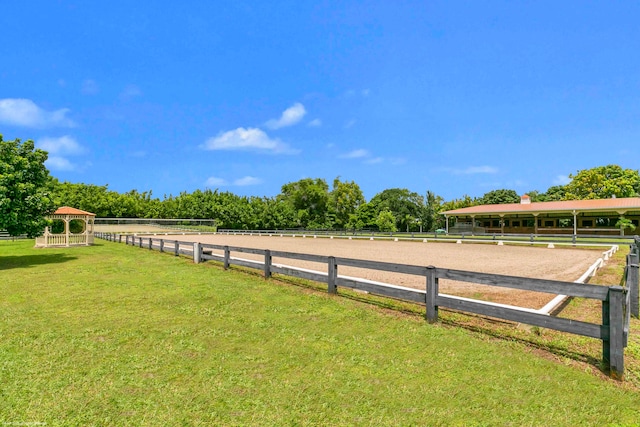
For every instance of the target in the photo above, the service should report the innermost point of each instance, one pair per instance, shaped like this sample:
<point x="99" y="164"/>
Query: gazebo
<point x="71" y="227"/>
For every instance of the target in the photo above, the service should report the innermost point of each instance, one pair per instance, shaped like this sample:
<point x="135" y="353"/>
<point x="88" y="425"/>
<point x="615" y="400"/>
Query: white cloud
<point x="90" y="87"/>
<point x="138" y="154"/>
<point x="247" y="180"/>
<point x="368" y="159"/>
<point x="247" y="139"/>
<point x="59" y="163"/>
<point x="24" y="112"/>
<point x="352" y="93"/>
<point x="315" y="123"/>
<point x="289" y="117"/>
<point x="561" y="180"/>
<point x="397" y="161"/>
<point x="215" y="182"/>
<point x="64" y="145"/>
<point x="356" y="154"/>
<point x="129" y="92"/>
<point x="374" y="160"/>
<point x="59" y="150"/>
<point x="349" y="123"/>
<point x="473" y="170"/>
<point x="240" y="182"/>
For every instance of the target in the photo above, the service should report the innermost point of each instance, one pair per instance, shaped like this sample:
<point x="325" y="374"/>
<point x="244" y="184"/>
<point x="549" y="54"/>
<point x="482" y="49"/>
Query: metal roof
<point x="602" y="205"/>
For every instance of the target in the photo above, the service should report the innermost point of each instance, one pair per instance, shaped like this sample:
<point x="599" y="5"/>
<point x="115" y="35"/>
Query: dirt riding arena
<point x="539" y="262"/>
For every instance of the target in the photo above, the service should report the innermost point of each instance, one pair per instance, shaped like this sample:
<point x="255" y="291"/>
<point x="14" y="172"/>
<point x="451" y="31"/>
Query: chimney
<point x="525" y="200"/>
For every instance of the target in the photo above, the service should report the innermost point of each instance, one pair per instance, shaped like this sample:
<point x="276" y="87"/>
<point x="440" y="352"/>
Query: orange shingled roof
<point x="66" y="210"/>
<point x="629" y="203"/>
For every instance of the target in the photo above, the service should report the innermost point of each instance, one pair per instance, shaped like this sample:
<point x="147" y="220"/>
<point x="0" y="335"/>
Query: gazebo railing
<point x="49" y="239"/>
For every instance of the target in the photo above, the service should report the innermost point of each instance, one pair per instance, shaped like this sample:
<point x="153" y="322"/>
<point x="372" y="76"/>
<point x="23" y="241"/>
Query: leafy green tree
<point x="625" y="223"/>
<point x="309" y="198"/>
<point x="267" y="213"/>
<point x="406" y="206"/>
<point x="555" y="194"/>
<point x="498" y="197"/>
<point x="603" y="182"/>
<point x="465" y="202"/>
<point x="344" y="201"/>
<point x="364" y="217"/>
<point x="386" y="221"/>
<point x="431" y="217"/>
<point x="24" y="197"/>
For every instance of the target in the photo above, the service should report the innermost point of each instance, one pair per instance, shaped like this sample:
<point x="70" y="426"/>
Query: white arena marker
<point x="304" y="236"/>
<point x="331" y="237"/>
<point x="314" y="236"/>
<point x="370" y="238"/>
<point x="500" y="243"/>
<point x="349" y="237"/>
<point x="395" y="240"/>
<point x="424" y="240"/>
<point x="551" y="246"/>
<point x="459" y="242"/>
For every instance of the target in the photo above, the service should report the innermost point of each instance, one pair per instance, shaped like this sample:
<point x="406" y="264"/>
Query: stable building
<point x="598" y="217"/>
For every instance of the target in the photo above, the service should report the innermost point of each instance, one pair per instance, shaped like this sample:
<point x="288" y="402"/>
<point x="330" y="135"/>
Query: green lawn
<point x="116" y="335"/>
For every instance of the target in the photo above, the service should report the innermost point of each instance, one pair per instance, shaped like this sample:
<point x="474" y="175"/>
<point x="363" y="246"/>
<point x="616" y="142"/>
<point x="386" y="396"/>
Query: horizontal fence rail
<point x="616" y="301"/>
<point x="516" y="238"/>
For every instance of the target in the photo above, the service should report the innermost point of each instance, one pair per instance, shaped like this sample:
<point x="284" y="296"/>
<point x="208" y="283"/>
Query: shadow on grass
<point x="28" y="261"/>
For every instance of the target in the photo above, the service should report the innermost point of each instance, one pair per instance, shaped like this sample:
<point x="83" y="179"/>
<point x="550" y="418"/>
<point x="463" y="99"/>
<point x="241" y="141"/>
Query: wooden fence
<point x="615" y="300"/>
<point x="517" y="238"/>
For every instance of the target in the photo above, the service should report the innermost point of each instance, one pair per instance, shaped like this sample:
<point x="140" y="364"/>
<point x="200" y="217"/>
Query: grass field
<point x="115" y="335"/>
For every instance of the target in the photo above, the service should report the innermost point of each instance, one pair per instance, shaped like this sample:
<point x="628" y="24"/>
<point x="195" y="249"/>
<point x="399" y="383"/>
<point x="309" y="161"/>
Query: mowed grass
<point x="117" y="335"/>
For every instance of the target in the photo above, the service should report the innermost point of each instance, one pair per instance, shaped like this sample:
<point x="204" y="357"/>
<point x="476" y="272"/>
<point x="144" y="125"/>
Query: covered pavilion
<point x="77" y="230"/>
<point x="597" y="217"/>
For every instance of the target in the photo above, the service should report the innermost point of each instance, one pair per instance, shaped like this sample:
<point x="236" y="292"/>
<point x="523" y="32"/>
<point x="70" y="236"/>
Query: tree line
<point x="28" y="193"/>
<point x="311" y="203"/>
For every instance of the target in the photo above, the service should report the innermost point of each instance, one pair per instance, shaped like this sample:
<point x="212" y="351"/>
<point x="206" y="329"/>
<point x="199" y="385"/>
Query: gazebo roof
<point x="66" y="210"/>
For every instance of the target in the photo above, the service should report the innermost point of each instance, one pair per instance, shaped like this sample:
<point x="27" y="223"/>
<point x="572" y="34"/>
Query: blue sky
<point x="455" y="97"/>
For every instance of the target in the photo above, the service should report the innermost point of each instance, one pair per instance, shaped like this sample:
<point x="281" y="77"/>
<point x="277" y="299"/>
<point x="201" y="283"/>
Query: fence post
<point x="197" y="251"/>
<point x="161" y="245"/>
<point x="140" y="242"/>
<point x="227" y="257"/>
<point x="332" y="287"/>
<point x="176" y="248"/>
<point x="613" y="348"/>
<point x="430" y="297"/>
<point x="267" y="264"/>
<point x="150" y="243"/>
<point x="632" y="284"/>
<point x="119" y="238"/>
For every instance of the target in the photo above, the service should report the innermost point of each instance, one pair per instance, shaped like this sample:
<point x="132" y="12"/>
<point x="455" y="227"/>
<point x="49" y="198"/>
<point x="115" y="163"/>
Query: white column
<point x="66" y="230"/>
